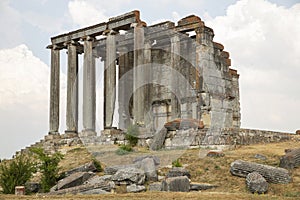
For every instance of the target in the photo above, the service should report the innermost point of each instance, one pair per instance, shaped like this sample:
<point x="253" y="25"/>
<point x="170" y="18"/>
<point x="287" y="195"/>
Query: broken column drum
<point x="152" y="75"/>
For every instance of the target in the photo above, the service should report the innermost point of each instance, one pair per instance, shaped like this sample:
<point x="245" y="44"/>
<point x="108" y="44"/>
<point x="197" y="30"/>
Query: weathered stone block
<point x="149" y="167"/>
<point x="135" y="188"/>
<point x="201" y="186"/>
<point x="159" y="139"/>
<point x="291" y="159"/>
<point x="176" y="184"/>
<point x="256" y="183"/>
<point x="178" y="171"/>
<point x="111" y="170"/>
<point x="73" y="180"/>
<point x="88" y="167"/>
<point x="133" y="175"/>
<point x="157" y="186"/>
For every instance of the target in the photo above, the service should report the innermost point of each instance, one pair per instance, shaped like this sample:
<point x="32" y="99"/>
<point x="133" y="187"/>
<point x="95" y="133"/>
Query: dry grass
<point x="203" y="170"/>
<point x="74" y="157"/>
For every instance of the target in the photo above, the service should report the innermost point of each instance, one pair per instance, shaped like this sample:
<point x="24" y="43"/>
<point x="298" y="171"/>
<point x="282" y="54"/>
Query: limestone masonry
<point x="160" y="77"/>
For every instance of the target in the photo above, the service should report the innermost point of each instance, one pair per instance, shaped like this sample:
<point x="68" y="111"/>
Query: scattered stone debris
<point x="271" y="174"/>
<point x="201" y="186"/>
<point x="260" y="157"/>
<point x="291" y="159"/>
<point x="215" y="153"/>
<point x="156" y="186"/>
<point x="256" y="183"/>
<point x="135" y="188"/>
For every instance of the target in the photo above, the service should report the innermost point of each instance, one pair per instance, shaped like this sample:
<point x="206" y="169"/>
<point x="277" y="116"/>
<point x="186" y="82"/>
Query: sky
<point x="262" y="36"/>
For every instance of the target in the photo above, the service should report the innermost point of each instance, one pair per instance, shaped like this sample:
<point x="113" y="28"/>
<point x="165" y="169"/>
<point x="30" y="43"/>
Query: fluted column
<point x="89" y="87"/>
<point x="175" y="62"/>
<point x="72" y="89"/>
<point x="54" y="90"/>
<point x="110" y="81"/>
<point x="138" y="76"/>
<point x="125" y="87"/>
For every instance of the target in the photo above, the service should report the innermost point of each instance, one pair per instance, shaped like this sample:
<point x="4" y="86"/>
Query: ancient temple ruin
<point x="165" y="72"/>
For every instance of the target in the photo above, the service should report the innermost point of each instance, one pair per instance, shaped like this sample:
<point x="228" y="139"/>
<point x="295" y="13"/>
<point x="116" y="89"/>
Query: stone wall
<point x="183" y="138"/>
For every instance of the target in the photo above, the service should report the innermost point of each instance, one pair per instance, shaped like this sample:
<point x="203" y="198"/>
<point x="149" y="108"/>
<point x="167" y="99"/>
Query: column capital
<point x="55" y="47"/>
<point x="88" y="38"/>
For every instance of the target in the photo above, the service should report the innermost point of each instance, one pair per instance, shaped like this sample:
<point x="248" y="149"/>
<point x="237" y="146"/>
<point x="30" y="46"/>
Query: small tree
<point x="15" y="172"/>
<point x="48" y="167"/>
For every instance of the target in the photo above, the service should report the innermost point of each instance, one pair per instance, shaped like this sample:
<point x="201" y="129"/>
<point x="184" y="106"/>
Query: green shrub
<point x="15" y="173"/>
<point x="49" y="168"/>
<point x="97" y="165"/>
<point x="124" y="149"/>
<point x="132" y="135"/>
<point x="176" y="163"/>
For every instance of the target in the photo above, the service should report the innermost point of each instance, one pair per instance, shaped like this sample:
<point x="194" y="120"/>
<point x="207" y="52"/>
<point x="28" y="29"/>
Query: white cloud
<point x="263" y="40"/>
<point x="85" y="13"/>
<point x="24" y="95"/>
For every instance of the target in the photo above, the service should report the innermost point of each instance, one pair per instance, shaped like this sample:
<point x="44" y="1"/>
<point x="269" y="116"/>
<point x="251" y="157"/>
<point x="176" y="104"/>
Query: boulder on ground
<point x="135" y="188"/>
<point x="178" y="171"/>
<point x="32" y="187"/>
<point x="158" y="139"/>
<point x="291" y="159"/>
<point x="157" y="186"/>
<point x="98" y="179"/>
<point x="260" y="157"/>
<point x="111" y="170"/>
<point x="256" y="183"/>
<point x="271" y="174"/>
<point x="149" y="168"/>
<point x="201" y="186"/>
<point x="176" y="184"/>
<point x="130" y="174"/>
<point x="94" y="191"/>
<point x="88" y="167"/>
<point x="73" y="180"/>
<point x="215" y="153"/>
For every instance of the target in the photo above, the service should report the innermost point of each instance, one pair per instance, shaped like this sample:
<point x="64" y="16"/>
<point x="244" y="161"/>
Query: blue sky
<point x="262" y="36"/>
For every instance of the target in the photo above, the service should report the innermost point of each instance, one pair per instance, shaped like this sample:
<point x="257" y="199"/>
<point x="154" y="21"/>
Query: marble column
<point x="54" y="90"/>
<point x="147" y="74"/>
<point x="125" y="87"/>
<point x="138" y="76"/>
<point x="89" y="87"/>
<point x="72" y="89"/>
<point x="175" y="64"/>
<point x="110" y="81"/>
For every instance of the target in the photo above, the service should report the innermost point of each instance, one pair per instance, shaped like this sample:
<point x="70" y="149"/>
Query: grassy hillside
<point x="203" y="170"/>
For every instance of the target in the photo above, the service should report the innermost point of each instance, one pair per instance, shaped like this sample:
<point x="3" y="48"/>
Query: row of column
<point x="141" y="75"/>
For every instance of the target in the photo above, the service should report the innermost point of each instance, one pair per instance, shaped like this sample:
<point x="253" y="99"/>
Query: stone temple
<point x="165" y="76"/>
